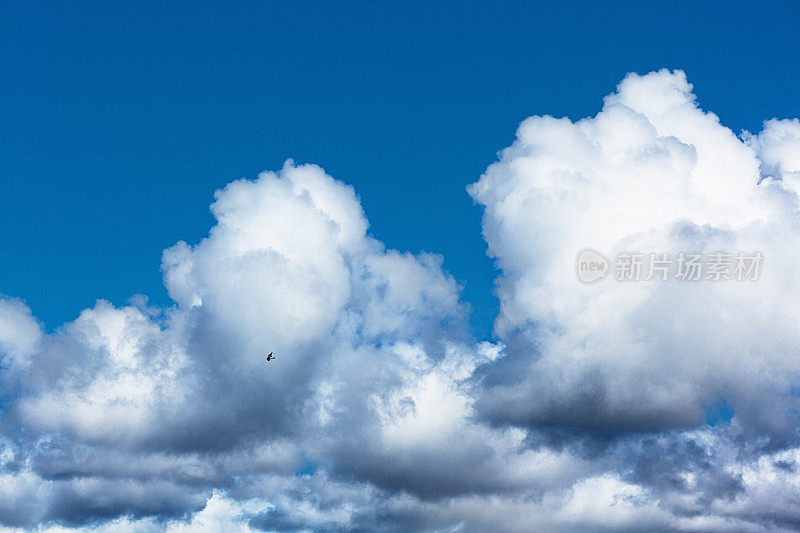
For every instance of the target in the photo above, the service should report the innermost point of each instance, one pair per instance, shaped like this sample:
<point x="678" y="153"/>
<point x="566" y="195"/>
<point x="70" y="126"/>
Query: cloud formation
<point x="613" y="406"/>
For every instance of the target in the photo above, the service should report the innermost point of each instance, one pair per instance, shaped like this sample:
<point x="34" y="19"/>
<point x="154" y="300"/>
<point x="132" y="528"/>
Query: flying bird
<point x="270" y="357"/>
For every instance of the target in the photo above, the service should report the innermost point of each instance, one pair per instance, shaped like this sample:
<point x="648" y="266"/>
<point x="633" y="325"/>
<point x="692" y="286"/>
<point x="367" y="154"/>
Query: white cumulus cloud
<point x="382" y="412"/>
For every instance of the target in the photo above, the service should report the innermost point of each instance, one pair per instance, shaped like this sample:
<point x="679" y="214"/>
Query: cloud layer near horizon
<point x="383" y="413"/>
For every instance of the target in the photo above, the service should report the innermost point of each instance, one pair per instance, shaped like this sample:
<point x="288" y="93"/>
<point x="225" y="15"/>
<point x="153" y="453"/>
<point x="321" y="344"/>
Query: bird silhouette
<point x="270" y="357"/>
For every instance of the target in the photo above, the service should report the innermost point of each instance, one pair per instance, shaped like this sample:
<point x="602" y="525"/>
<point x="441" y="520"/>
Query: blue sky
<point x="657" y="405"/>
<point x="120" y="121"/>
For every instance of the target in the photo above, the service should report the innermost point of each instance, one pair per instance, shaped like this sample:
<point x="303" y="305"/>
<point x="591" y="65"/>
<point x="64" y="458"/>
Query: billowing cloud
<point x="650" y="173"/>
<point x="612" y="406"/>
